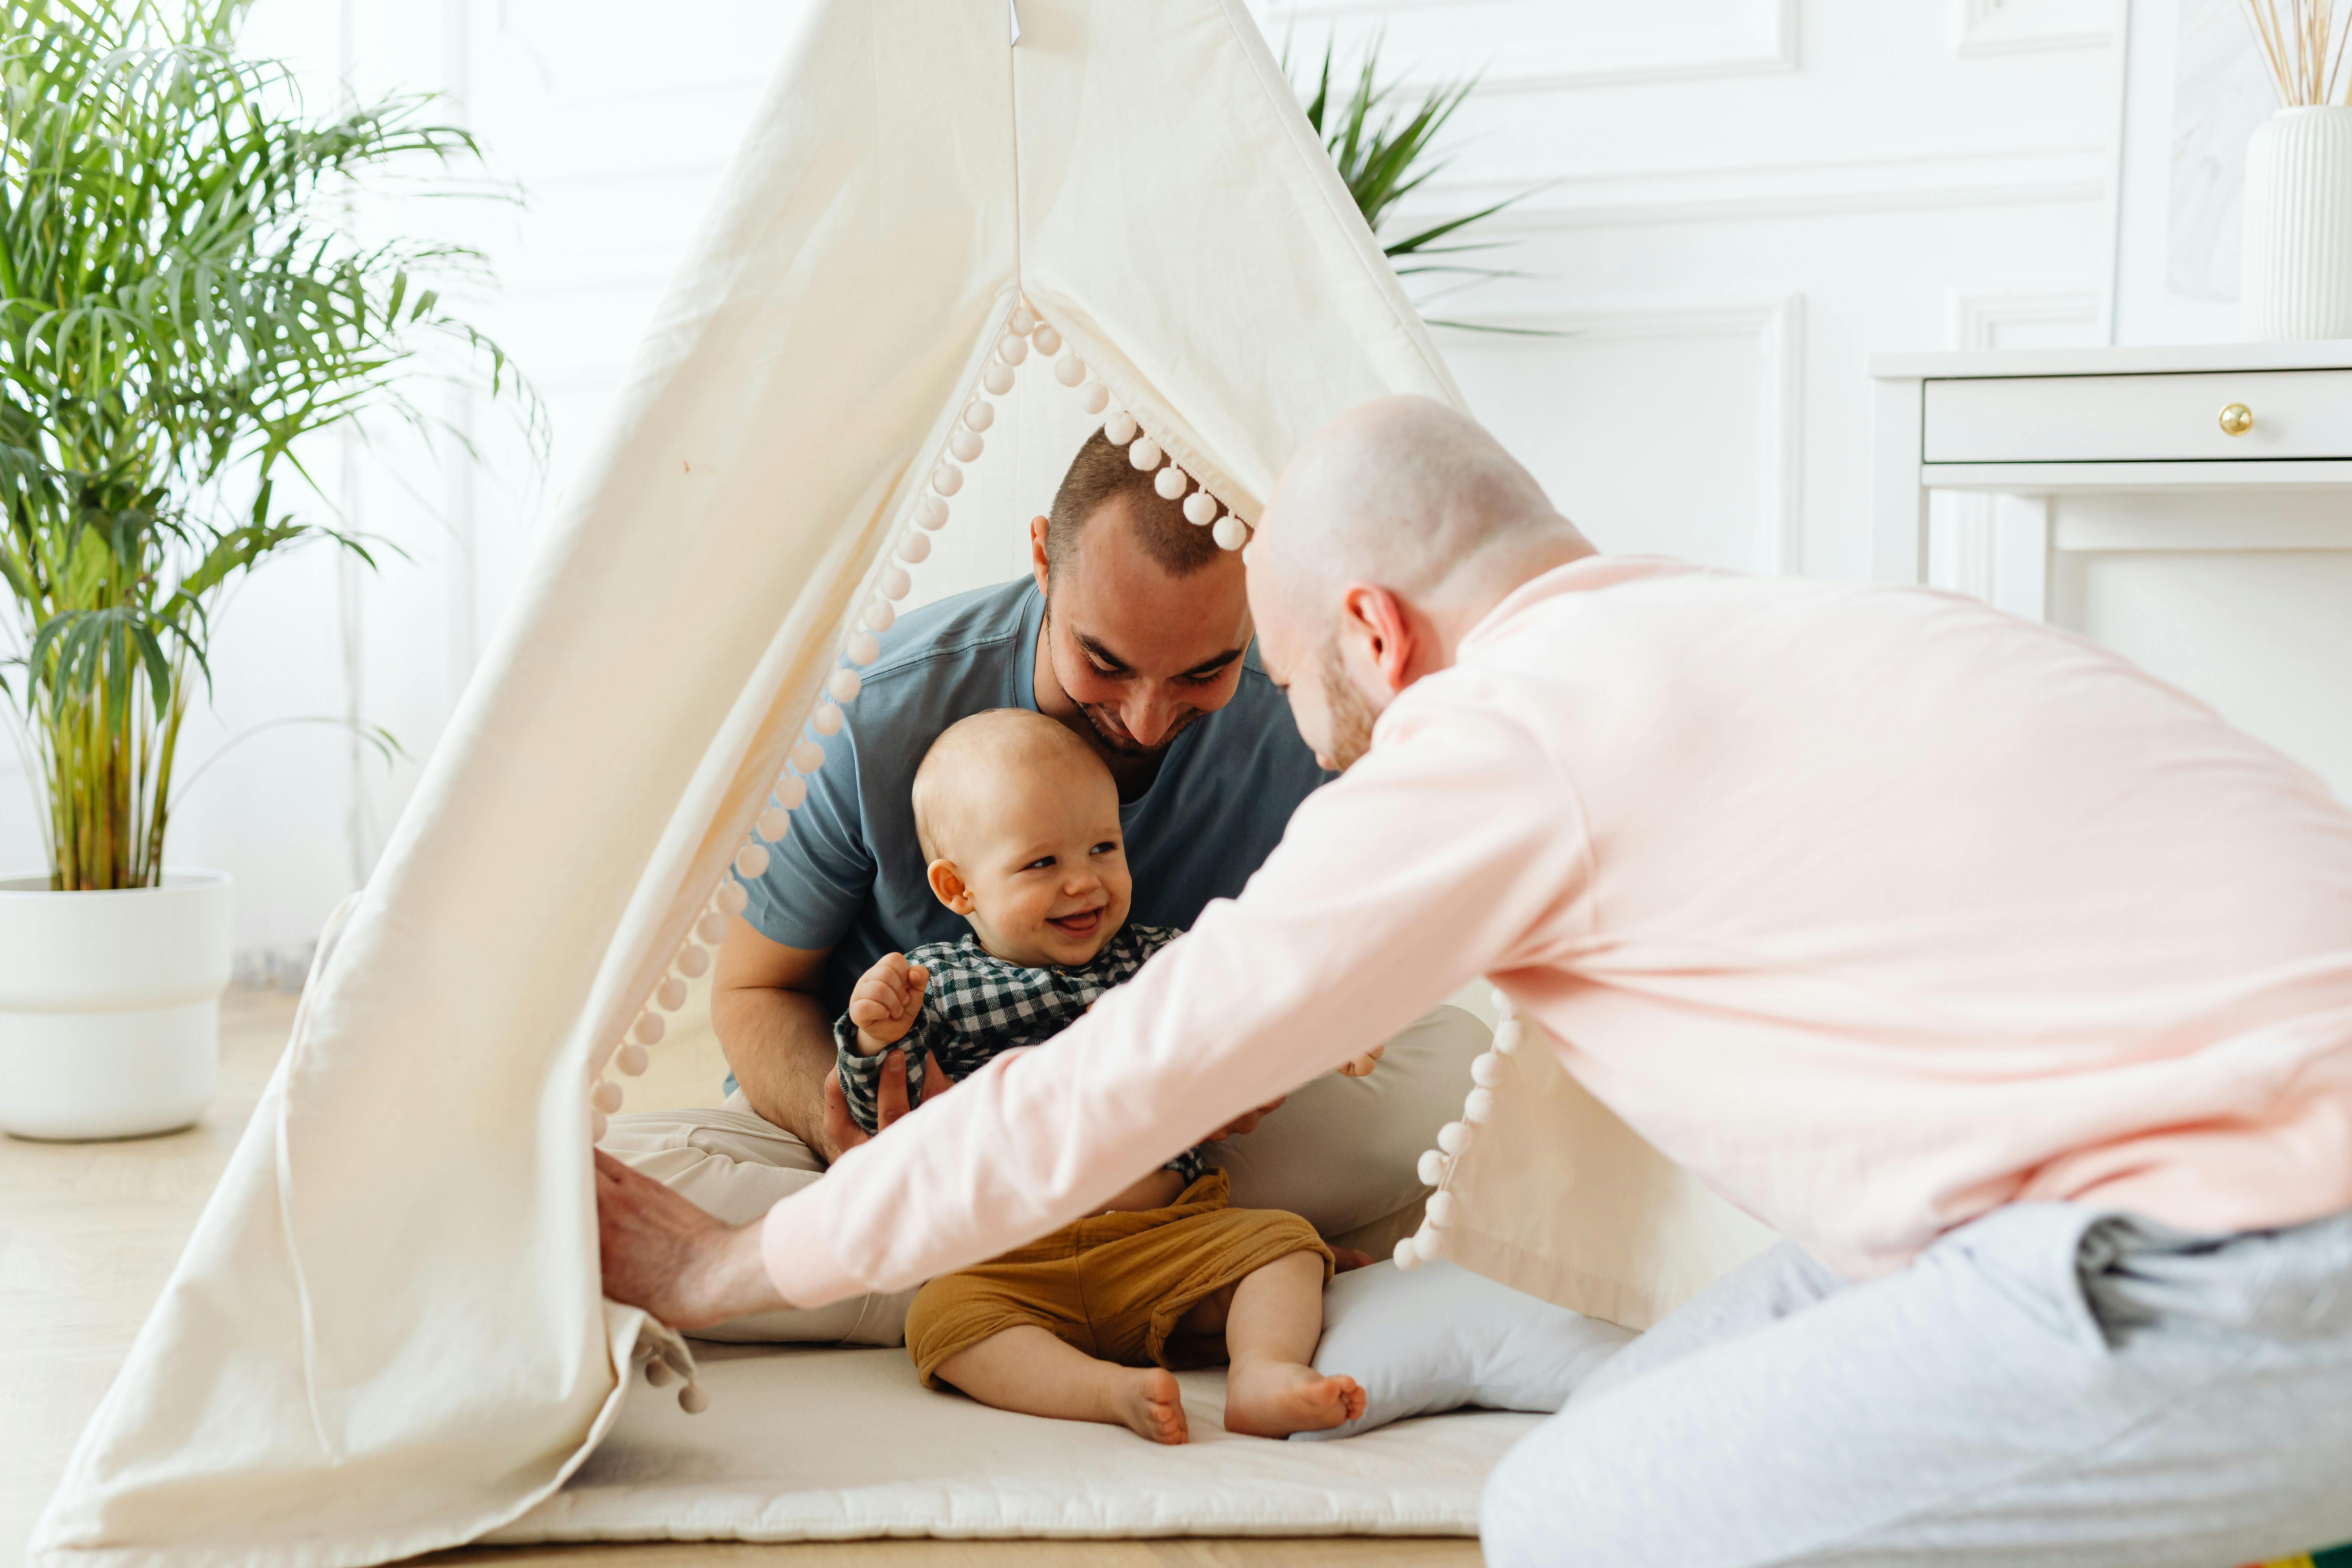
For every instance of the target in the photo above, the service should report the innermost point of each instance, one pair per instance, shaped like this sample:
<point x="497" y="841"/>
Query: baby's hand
<point x="887" y="1002"/>
<point x="1359" y="1067"/>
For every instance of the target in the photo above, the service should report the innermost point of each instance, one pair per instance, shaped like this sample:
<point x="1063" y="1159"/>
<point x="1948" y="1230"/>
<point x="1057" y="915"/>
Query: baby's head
<point x="1019" y="819"/>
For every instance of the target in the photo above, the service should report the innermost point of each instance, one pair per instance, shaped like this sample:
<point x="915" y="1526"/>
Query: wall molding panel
<point x="1555" y="45"/>
<point x="2014" y="26"/>
<point x="1795" y="189"/>
<point x="1775" y="538"/>
<point x="1980" y="320"/>
<point x="1780" y="441"/>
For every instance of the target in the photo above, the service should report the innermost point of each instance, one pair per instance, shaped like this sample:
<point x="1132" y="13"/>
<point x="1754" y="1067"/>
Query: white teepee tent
<point x="386" y="1335"/>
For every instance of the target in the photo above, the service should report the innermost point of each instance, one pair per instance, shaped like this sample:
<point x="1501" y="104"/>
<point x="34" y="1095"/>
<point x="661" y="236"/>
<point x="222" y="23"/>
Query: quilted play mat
<point x="829" y="1444"/>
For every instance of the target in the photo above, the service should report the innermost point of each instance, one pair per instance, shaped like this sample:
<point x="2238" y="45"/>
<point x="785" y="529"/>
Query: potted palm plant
<point x="182" y="302"/>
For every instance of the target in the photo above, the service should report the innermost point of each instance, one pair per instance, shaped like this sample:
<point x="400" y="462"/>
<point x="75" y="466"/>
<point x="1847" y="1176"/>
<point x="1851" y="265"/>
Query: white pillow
<point x="1441" y="1337"/>
<point x="1343" y="1152"/>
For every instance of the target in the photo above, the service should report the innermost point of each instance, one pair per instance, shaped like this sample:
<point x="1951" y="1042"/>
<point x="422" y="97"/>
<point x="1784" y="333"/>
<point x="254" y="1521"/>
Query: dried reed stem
<point x="2303" y="44"/>
<point x="2336" y="66"/>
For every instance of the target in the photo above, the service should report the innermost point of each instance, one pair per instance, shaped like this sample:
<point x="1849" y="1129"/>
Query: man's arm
<point x="1454" y="849"/>
<point x="776" y="1035"/>
<point x="764" y="1009"/>
<point x="888" y="1030"/>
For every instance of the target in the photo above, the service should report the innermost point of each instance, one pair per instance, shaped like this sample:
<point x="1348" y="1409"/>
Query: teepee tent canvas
<point x="386" y="1334"/>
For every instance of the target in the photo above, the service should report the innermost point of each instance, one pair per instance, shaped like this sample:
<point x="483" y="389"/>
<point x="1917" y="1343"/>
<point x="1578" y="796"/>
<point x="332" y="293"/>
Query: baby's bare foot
<point x="1148" y="1401"/>
<point x="1273" y="1399"/>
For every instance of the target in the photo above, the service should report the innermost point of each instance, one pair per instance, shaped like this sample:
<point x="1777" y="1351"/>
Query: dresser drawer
<point x="2138" y="418"/>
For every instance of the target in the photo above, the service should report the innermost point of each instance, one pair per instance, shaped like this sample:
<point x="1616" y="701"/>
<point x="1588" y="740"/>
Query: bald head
<point x="1414" y="496"/>
<point x="980" y="768"/>
<point x="1394" y="529"/>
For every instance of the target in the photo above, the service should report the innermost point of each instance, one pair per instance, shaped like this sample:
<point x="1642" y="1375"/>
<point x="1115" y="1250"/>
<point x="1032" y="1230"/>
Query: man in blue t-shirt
<point x="1133" y="630"/>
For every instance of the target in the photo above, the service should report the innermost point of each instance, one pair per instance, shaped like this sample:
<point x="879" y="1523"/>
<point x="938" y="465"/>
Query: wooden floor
<point x="88" y="1231"/>
<point x="1344" y="1552"/>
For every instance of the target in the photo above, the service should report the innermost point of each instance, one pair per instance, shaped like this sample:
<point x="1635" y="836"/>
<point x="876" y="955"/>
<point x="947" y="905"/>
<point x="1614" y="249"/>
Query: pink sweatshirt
<point x="1874" y="908"/>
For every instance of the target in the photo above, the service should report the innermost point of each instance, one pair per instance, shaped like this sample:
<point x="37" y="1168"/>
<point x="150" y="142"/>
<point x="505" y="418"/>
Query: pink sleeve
<point x="1430" y="863"/>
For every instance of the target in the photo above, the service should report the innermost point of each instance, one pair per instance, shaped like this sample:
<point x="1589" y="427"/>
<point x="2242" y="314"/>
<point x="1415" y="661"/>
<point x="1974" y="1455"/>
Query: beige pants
<point x="1341" y="1153"/>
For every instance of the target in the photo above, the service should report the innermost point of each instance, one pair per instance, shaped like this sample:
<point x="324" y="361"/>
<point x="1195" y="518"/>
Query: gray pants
<point x="2045" y="1386"/>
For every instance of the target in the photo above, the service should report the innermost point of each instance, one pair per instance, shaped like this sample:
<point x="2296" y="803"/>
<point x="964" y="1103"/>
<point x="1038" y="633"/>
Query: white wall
<point x="1741" y="200"/>
<point x="1743" y="205"/>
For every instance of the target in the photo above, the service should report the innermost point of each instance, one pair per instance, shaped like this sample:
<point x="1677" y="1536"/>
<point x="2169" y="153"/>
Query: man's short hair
<point x="1100" y="476"/>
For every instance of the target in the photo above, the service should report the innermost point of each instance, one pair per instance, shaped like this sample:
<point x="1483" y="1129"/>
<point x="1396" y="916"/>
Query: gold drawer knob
<point x="2237" y="419"/>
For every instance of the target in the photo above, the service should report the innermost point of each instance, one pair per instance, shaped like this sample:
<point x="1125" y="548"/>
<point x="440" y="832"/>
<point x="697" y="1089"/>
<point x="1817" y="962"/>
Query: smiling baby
<point x="1019" y="820"/>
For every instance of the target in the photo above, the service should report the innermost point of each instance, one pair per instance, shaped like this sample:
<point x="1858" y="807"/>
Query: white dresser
<point x="2191" y="507"/>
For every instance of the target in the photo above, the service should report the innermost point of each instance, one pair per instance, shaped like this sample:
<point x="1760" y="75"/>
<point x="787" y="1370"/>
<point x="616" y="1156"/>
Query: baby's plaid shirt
<point x="978" y="1006"/>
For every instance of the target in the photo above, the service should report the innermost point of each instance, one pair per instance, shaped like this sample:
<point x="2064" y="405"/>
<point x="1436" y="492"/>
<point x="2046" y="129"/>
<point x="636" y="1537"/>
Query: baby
<point x="1019" y="820"/>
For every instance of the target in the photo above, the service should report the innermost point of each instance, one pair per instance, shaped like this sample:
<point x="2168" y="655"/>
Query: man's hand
<point x="663" y="1254"/>
<point x="1355" y="1067"/>
<point x="777" y="1036"/>
<point x="887" y="1002"/>
<point x="1246" y="1122"/>
<point x="890" y="1100"/>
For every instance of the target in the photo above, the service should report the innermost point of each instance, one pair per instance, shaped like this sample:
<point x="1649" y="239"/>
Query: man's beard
<point x="1133" y="749"/>
<point x="1351" y="717"/>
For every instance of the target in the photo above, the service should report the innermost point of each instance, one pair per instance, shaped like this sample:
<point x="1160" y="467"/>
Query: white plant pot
<point x="110" y="1006"/>
<point x="2297" y="276"/>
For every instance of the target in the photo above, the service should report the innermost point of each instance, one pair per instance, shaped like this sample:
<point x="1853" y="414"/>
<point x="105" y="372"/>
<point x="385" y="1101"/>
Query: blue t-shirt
<point x="850" y="874"/>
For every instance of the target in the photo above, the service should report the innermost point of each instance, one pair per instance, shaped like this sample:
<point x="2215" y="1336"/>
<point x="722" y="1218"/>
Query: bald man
<point x="2013" y="986"/>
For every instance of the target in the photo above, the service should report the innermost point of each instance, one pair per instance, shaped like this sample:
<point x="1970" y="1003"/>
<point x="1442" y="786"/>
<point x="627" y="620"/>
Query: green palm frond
<point x="182" y="305"/>
<point x="1385" y="145"/>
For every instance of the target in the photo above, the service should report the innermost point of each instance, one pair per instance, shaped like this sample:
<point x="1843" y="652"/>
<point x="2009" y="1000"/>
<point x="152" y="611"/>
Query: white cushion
<point x="1440" y="1338"/>
<point x="1343" y="1152"/>
<point x="806" y="1444"/>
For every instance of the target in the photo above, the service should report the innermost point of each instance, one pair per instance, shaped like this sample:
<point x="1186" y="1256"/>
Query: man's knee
<point x="1549" y="1504"/>
<point x="1776" y="1283"/>
<point x="1515" y="1525"/>
<point x="726" y="1161"/>
<point x="735" y="1167"/>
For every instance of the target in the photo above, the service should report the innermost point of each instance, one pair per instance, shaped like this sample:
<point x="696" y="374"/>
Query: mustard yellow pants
<point x="1113" y="1285"/>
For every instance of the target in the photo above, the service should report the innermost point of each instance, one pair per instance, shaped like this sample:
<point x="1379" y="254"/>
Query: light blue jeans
<point x="2047" y="1387"/>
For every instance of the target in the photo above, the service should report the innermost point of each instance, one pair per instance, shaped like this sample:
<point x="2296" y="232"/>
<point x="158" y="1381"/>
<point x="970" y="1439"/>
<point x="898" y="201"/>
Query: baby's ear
<point x="947" y="886"/>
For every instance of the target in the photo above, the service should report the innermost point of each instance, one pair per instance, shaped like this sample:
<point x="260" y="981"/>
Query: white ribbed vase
<point x="2298" y="240"/>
